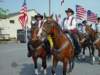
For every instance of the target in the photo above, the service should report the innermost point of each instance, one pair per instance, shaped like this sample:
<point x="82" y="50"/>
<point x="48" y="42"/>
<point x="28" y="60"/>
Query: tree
<point x="3" y="13"/>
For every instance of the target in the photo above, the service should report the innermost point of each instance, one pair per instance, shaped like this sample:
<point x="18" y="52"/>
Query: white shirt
<point x="94" y="27"/>
<point x="84" y="27"/>
<point x="67" y="22"/>
<point x="39" y="24"/>
<point x="98" y="27"/>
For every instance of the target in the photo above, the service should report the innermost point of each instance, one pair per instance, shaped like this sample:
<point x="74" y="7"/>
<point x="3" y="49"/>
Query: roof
<point x="14" y="14"/>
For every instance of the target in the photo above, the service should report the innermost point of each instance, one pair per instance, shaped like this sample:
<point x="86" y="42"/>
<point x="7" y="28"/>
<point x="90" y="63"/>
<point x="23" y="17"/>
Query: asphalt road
<point x="13" y="61"/>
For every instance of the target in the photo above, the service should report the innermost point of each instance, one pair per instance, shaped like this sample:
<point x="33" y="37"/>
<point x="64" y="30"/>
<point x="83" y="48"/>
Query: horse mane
<point x="91" y="32"/>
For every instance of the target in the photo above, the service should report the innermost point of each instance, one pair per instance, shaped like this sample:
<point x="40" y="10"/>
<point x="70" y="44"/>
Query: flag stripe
<point x="23" y="17"/>
<point x="91" y="16"/>
<point x="80" y="12"/>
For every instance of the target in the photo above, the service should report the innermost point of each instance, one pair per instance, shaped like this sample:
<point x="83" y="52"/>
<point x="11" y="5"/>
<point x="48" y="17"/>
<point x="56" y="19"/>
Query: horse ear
<point x="91" y="25"/>
<point x="51" y="16"/>
<point x="45" y="17"/>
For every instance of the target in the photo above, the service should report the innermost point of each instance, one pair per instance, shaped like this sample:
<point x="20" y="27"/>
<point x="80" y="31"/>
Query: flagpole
<point x="25" y="28"/>
<point x="49" y="7"/>
<point x="26" y="33"/>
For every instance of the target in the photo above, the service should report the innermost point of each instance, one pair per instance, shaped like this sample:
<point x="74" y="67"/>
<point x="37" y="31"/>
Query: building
<point x="10" y="24"/>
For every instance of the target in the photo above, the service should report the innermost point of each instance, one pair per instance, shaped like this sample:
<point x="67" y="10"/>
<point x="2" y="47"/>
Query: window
<point x="12" y="21"/>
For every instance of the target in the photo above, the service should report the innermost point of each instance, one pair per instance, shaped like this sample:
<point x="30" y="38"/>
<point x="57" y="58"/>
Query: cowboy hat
<point x="98" y="18"/>
<point x="84" y="22"/>
<point x="69" y="10"/>
<point x="38" y="16"/>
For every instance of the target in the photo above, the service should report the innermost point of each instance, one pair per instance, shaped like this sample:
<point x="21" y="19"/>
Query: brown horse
<point x="97" y="44"/>
<point x="63" y="49"/>
<point x="84" y="42"/>
<point x="37" y="50"/>
<point x="93" y="36"/>
<point x="91" y="32"/>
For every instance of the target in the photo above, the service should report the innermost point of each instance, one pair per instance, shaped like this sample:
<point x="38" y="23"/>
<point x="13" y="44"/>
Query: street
<point x="14" y="61"/>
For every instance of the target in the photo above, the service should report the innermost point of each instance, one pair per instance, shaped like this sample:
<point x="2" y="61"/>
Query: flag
<point x="23" y="17"/>
<point x="91" y="16"/>
<point x="62" y="1"/>
<point x="58" y="18"/>
<point x="81" y="12"/>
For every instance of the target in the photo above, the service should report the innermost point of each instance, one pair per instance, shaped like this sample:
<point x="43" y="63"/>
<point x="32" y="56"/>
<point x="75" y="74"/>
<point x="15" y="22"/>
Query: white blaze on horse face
<point x="39" y="32"/>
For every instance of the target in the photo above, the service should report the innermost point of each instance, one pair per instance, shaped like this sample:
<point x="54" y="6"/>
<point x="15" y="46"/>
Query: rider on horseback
<point x="69" y="26"/>
<point x="97" y="42"/>
<point x="38" y="22"/>
<point x="98" y="26"/>
<point x="48" y="42"/>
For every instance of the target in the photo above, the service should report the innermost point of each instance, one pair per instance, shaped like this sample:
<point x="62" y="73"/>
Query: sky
<point x="41" y="6"/>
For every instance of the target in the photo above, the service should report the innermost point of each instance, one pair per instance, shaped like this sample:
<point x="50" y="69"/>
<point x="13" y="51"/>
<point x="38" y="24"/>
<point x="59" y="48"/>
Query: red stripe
<point x="80" y="12"/>
<point x="23" y="18"/>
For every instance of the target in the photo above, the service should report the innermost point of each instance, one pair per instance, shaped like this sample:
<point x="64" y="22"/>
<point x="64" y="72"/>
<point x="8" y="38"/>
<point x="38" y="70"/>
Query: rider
<point x="98" y="25"/>
<point x="38" y="22"/>
<point x="84" y="23"/>
<point x="48" y="42"/>
<point x="69" y="26"/>
<point x="98" y="32"/>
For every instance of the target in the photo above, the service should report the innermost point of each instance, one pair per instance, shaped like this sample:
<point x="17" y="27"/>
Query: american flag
<point x="57" y="17"/>
<point x="23" y="17"/>
<point x="62" y="1"/>
<point x="80" y="12"/>
<point x="91" y="16"/>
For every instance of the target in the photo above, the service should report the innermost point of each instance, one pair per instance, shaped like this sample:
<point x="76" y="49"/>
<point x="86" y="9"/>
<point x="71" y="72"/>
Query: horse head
<point x="49" y="27"/>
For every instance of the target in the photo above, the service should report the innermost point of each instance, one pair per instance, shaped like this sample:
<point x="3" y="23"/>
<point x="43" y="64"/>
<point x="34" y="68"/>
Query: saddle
<point x="74" y="41"/>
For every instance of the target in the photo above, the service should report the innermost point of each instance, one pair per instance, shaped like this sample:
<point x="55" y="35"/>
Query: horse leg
<point x="98" y="51"/>
<point x="90" y="51"/>
<point x="55" y="61"/>
<point x="98" y="54"/>
<point x="83" y="56"/>
<point x="44" y="65"/>
<point x="35" y="66"/>
<point x="93" y="57"/>
<point x="65" y="66"/>
<point x="71" y="65"/>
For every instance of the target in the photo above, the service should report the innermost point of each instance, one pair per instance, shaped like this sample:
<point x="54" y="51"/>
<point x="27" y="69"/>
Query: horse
<point x="92" y="37"/>
<point x="92" y="33"/>
<point x="97" y="44"/>
<point x="38" y="49"/>
<point x="85" y="42"/>
<point x="63" y="49"/>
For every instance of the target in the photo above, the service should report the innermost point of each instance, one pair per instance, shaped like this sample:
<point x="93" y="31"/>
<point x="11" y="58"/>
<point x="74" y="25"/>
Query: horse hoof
<point x="55" y="74"/>
<point x="42" y="69"/>
<point x="45" y="72"/>
<point x="83" y="56"/>
<point x="93" y="60"/>
<point x="36" y="72"/>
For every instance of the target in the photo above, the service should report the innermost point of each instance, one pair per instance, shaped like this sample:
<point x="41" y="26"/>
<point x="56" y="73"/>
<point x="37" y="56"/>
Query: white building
<point x="11" y="24"/>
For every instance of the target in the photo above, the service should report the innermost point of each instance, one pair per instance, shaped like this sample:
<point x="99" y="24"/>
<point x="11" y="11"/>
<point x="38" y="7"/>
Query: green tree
<point x="3" y="13"/>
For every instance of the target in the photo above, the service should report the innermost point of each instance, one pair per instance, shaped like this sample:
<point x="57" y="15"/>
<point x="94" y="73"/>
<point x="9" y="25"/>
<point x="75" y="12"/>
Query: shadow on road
<point x="28" y="69"/>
